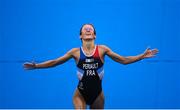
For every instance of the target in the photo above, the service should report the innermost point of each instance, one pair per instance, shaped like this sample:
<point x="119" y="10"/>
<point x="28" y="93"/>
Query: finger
<point x="27" y="63"/>
<point x="26" y="67"/>
<point x="147" y="49"/>
<point x="154" y="51"/>
<point x="151" y="56"/>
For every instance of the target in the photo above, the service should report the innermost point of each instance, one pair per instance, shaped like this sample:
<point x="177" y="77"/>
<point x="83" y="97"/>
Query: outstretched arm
<point x="50" y="63"/>
<point x="130" y="59"/>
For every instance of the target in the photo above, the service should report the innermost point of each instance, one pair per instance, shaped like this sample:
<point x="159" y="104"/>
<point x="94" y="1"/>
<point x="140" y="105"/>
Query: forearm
<point x="50" y="63"/>
<point x="125" y="60"/>
<point x="132" y="59"/>
<point x="46" y="64"/>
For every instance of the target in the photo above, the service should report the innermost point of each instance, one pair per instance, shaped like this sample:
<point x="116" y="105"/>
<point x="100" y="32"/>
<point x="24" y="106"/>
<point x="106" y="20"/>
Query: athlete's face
<point x="87" y="33"/>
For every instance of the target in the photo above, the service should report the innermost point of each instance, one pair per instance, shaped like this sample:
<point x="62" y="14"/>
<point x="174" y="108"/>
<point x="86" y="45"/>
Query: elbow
<point x="125" y="62"/>
<point x="53" y="63"/>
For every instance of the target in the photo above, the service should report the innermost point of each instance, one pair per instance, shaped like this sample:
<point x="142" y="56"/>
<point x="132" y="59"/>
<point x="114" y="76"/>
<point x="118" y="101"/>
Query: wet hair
<point x="80" y="33"/>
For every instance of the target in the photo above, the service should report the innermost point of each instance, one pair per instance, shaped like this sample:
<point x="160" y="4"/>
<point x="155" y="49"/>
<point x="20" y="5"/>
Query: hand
<point x="29" y="66"/>
<point x="150" y="53"/>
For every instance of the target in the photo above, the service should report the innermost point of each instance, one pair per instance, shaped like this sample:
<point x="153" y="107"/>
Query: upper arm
<point x="116" y="57"/>
<point x="66" y="56"/>
<point x="107" y="51"/>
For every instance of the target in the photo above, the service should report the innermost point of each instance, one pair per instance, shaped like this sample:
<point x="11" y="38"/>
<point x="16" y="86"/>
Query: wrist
<point x="35" y="66"/>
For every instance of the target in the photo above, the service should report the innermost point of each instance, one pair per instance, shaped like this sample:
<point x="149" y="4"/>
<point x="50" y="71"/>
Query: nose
<point x="88" y="29"/>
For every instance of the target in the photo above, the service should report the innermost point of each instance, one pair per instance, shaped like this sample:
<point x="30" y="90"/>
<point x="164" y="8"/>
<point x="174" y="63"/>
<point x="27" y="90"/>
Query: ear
<point x="80" y="36"/>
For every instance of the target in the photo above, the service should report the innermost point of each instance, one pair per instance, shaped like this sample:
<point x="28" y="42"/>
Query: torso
<point x="76" y="53"/>
<point x="90" y="72"/>
<point x="91" y="63"/>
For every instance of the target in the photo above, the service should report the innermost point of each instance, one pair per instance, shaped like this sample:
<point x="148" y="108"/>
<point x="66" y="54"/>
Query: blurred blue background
<point x="40" y="30"/>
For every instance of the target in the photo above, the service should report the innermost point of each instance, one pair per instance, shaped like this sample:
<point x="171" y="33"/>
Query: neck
<point x="89" y="44"/>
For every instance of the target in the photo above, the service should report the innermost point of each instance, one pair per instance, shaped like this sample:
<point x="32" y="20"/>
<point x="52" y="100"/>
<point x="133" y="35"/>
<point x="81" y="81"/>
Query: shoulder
<point x="74" y="50"/>
<point x="104" y="47"/>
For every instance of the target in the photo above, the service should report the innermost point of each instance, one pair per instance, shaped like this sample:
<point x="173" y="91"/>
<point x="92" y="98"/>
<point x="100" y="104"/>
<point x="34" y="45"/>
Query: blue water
<point x="41" y="30"/>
